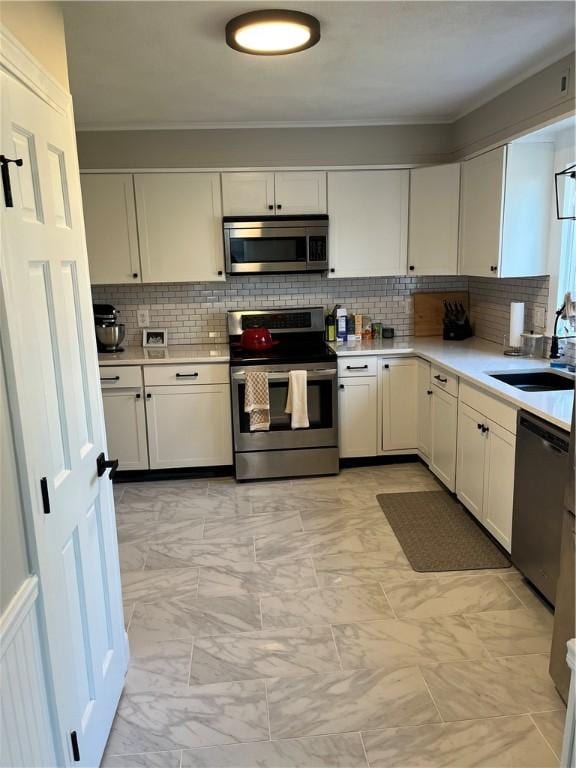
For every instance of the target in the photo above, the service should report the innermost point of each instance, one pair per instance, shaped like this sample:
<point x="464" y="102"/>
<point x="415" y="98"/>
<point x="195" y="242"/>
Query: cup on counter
<point x="377" y="331"/>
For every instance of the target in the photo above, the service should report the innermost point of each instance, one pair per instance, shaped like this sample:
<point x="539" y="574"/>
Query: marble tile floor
<point x="279" y="625"/>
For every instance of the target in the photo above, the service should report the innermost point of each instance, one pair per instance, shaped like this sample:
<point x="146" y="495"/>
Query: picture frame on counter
<point x="155" y="337"/>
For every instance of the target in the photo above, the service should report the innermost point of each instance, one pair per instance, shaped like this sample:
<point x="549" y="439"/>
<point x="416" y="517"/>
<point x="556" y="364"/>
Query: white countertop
<point x="472" y="360"/>
<point x="185" y="353"/>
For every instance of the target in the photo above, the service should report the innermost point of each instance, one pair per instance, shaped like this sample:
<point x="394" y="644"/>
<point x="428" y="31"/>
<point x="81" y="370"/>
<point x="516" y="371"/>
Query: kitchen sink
<point x="537" y="381"/>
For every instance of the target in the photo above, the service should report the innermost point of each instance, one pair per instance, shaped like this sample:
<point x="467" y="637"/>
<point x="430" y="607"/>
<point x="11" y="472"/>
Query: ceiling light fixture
<point x="273" y="32"/>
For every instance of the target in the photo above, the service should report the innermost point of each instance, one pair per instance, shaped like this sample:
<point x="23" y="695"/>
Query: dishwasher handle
<point x="550" y="438"/>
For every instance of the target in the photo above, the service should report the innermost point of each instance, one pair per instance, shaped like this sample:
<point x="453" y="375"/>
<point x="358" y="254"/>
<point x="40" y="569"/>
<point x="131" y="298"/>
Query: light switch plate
<point x="143" y="317"/>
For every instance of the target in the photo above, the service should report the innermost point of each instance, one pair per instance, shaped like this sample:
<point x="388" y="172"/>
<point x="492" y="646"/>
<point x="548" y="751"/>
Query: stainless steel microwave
<point x="276" y="244"/>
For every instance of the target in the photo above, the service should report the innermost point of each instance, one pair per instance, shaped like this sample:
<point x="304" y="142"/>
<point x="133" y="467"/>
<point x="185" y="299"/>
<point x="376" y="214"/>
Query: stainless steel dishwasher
<point x="539" y="481"/>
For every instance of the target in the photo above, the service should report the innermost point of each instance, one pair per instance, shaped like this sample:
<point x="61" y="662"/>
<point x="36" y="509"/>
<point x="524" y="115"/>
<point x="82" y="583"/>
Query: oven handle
<point x="323" y="373"/>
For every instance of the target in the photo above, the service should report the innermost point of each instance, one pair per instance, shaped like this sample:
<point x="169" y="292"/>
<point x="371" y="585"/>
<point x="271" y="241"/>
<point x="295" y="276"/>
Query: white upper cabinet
<point x="368" y="222"/>
<point x="180" y="227"/>
<point x="288" y="193"/>
<point x="299" y="192"/>
<point x="110" y="221"/>
<point x="433" y="225"/>
<point x="505" y="211"/>
<point x="248" y="194"/>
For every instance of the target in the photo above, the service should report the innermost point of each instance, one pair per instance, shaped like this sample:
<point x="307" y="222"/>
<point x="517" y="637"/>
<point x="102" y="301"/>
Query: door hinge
<point x="75" y="748"/>
<point x="45" y="495"/>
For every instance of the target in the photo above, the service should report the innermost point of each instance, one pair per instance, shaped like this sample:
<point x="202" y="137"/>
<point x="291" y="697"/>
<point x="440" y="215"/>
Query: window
<point x="567" y="263"/>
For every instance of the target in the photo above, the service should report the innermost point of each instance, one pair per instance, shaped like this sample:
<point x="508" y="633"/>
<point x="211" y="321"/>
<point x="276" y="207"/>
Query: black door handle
<point x="102" y="465"/>
<point x="5" y="162"/>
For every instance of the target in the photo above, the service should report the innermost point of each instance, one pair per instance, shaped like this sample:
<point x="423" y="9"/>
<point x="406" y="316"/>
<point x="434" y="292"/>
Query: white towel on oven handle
<point x="297" y="400"/>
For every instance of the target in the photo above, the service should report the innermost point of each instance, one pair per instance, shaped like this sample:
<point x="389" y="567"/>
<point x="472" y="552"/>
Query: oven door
<point x="275" y="249"/>
<point x="322" y="411"/>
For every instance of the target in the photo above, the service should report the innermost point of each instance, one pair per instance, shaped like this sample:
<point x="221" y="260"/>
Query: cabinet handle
<point x="270" y="207"/>
<point x="186" y="375"/>
<point x="386" y="365"/>
<point x="441" y="379"/>
<point x="479" y="426"/>
<point x="148" y="396"/>
<point x="356" y="367"/>
<point x="485" y="429"/>
<point x="411" y="268"/>
<point x="75" y="747"/>
<point x="135" y="275"/>
<point x="45" y="495"/>
<point x="341" y="386"/>
<point x="332" y="270"/>
<point x="429" y="392"/>
<point x="109" y="378"/>
<point x="279" y="206"/>
<point x="220" y="272"/>
<point x="493" y="269"/>
<point x="138" y="395"/>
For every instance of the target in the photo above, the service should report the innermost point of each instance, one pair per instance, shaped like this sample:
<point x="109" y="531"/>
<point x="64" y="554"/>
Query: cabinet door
<point x="444" y="422"/>
<point x="481" y="207"/>
<point x="110" y="222"/>
<point x="472" y="442"/>
<point x="189" y="426"/>
<point x="499" y="483"/>
<point x="300" y="192"/>
<point x="248" y="194"/>
<point x="368" y="223"/>
<point x="180" y="227"/>
<point x="358" y="413"/>
<point x="424" y="407"/>
<point x="126" y="427"/>
<point x="433" y="229"/>
<point x="399" y="394"/>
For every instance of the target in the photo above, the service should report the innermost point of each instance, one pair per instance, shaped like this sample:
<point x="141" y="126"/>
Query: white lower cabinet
<point x="189" y="426"/>
<point x="485" y="472"/>
<point x="398" y="384"/>
<point x="126" y="427"/>
<point x="443" y="439"/>
<point x="358" y="409"/>
<point x="424" y="408"/>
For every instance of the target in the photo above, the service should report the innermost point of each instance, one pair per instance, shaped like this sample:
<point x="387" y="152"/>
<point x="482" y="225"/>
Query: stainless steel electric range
<point x="282" y="451"/>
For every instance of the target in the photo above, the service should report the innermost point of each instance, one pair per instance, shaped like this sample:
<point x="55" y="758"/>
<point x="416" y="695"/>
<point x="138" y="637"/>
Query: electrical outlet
<point x="539" y="317"/>
<point x="564" y="81"/>
<point x="143" y="317"/>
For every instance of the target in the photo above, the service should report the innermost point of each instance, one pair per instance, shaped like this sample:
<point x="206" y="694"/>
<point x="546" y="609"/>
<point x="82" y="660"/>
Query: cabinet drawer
<point x="357" y="366"/>
<point x="204" y="373"/>
<point x="120" y="376"/>
<point x="491" y="407"/>
<point x="444" y="380"/>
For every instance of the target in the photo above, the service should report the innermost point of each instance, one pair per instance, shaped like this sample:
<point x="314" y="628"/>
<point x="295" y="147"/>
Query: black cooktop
<point x="283" y="354"/>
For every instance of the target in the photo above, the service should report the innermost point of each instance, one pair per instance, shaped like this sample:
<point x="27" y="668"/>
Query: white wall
<point x="13" y="559"/>
<point x="40" y="27"/>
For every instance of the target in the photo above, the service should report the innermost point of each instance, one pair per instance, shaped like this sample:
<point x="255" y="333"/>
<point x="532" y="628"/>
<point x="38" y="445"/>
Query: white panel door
<point x="424" y="407"/>
<point x="358" y="415"/>
<point x="481" y="209"/>
<point x="111" y="235"/>
<point x="472" y="442"/>
<point x="368" y="222"/>
<point x="399" y="387"/>
<point x="125" y="418"/>
<point x="433" y="227"/>
<point x="499" y="483"/>
<point x="443" y="444"/>
<point x="248" y="194"/>
<point x="180" y="227"/>
<point x="189" y="426"/>
<point x="300" y="192"/>
<point x="52" y="356"/>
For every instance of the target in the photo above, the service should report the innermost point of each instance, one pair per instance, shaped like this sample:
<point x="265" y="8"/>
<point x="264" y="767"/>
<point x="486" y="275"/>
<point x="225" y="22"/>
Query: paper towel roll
<point x="516" y="323"/>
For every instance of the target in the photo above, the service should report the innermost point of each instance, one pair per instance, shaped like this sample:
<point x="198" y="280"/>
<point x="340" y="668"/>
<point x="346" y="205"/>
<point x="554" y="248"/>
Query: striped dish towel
<point x="257" y="400"/>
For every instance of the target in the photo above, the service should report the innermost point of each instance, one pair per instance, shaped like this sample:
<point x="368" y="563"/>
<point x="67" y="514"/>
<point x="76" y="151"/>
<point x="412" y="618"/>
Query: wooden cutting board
<point x="429" y="310"/>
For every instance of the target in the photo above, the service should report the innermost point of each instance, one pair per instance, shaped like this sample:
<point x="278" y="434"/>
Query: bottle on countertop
<point x="330" y="325"/>
<point x="341" y="324"/>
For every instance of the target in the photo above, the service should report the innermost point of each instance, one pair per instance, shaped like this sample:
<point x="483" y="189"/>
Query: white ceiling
<point x="165" y="64"/>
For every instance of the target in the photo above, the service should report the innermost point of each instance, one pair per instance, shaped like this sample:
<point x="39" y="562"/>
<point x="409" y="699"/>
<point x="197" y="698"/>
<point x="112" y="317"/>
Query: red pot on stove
<point x="257" y="340"/>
